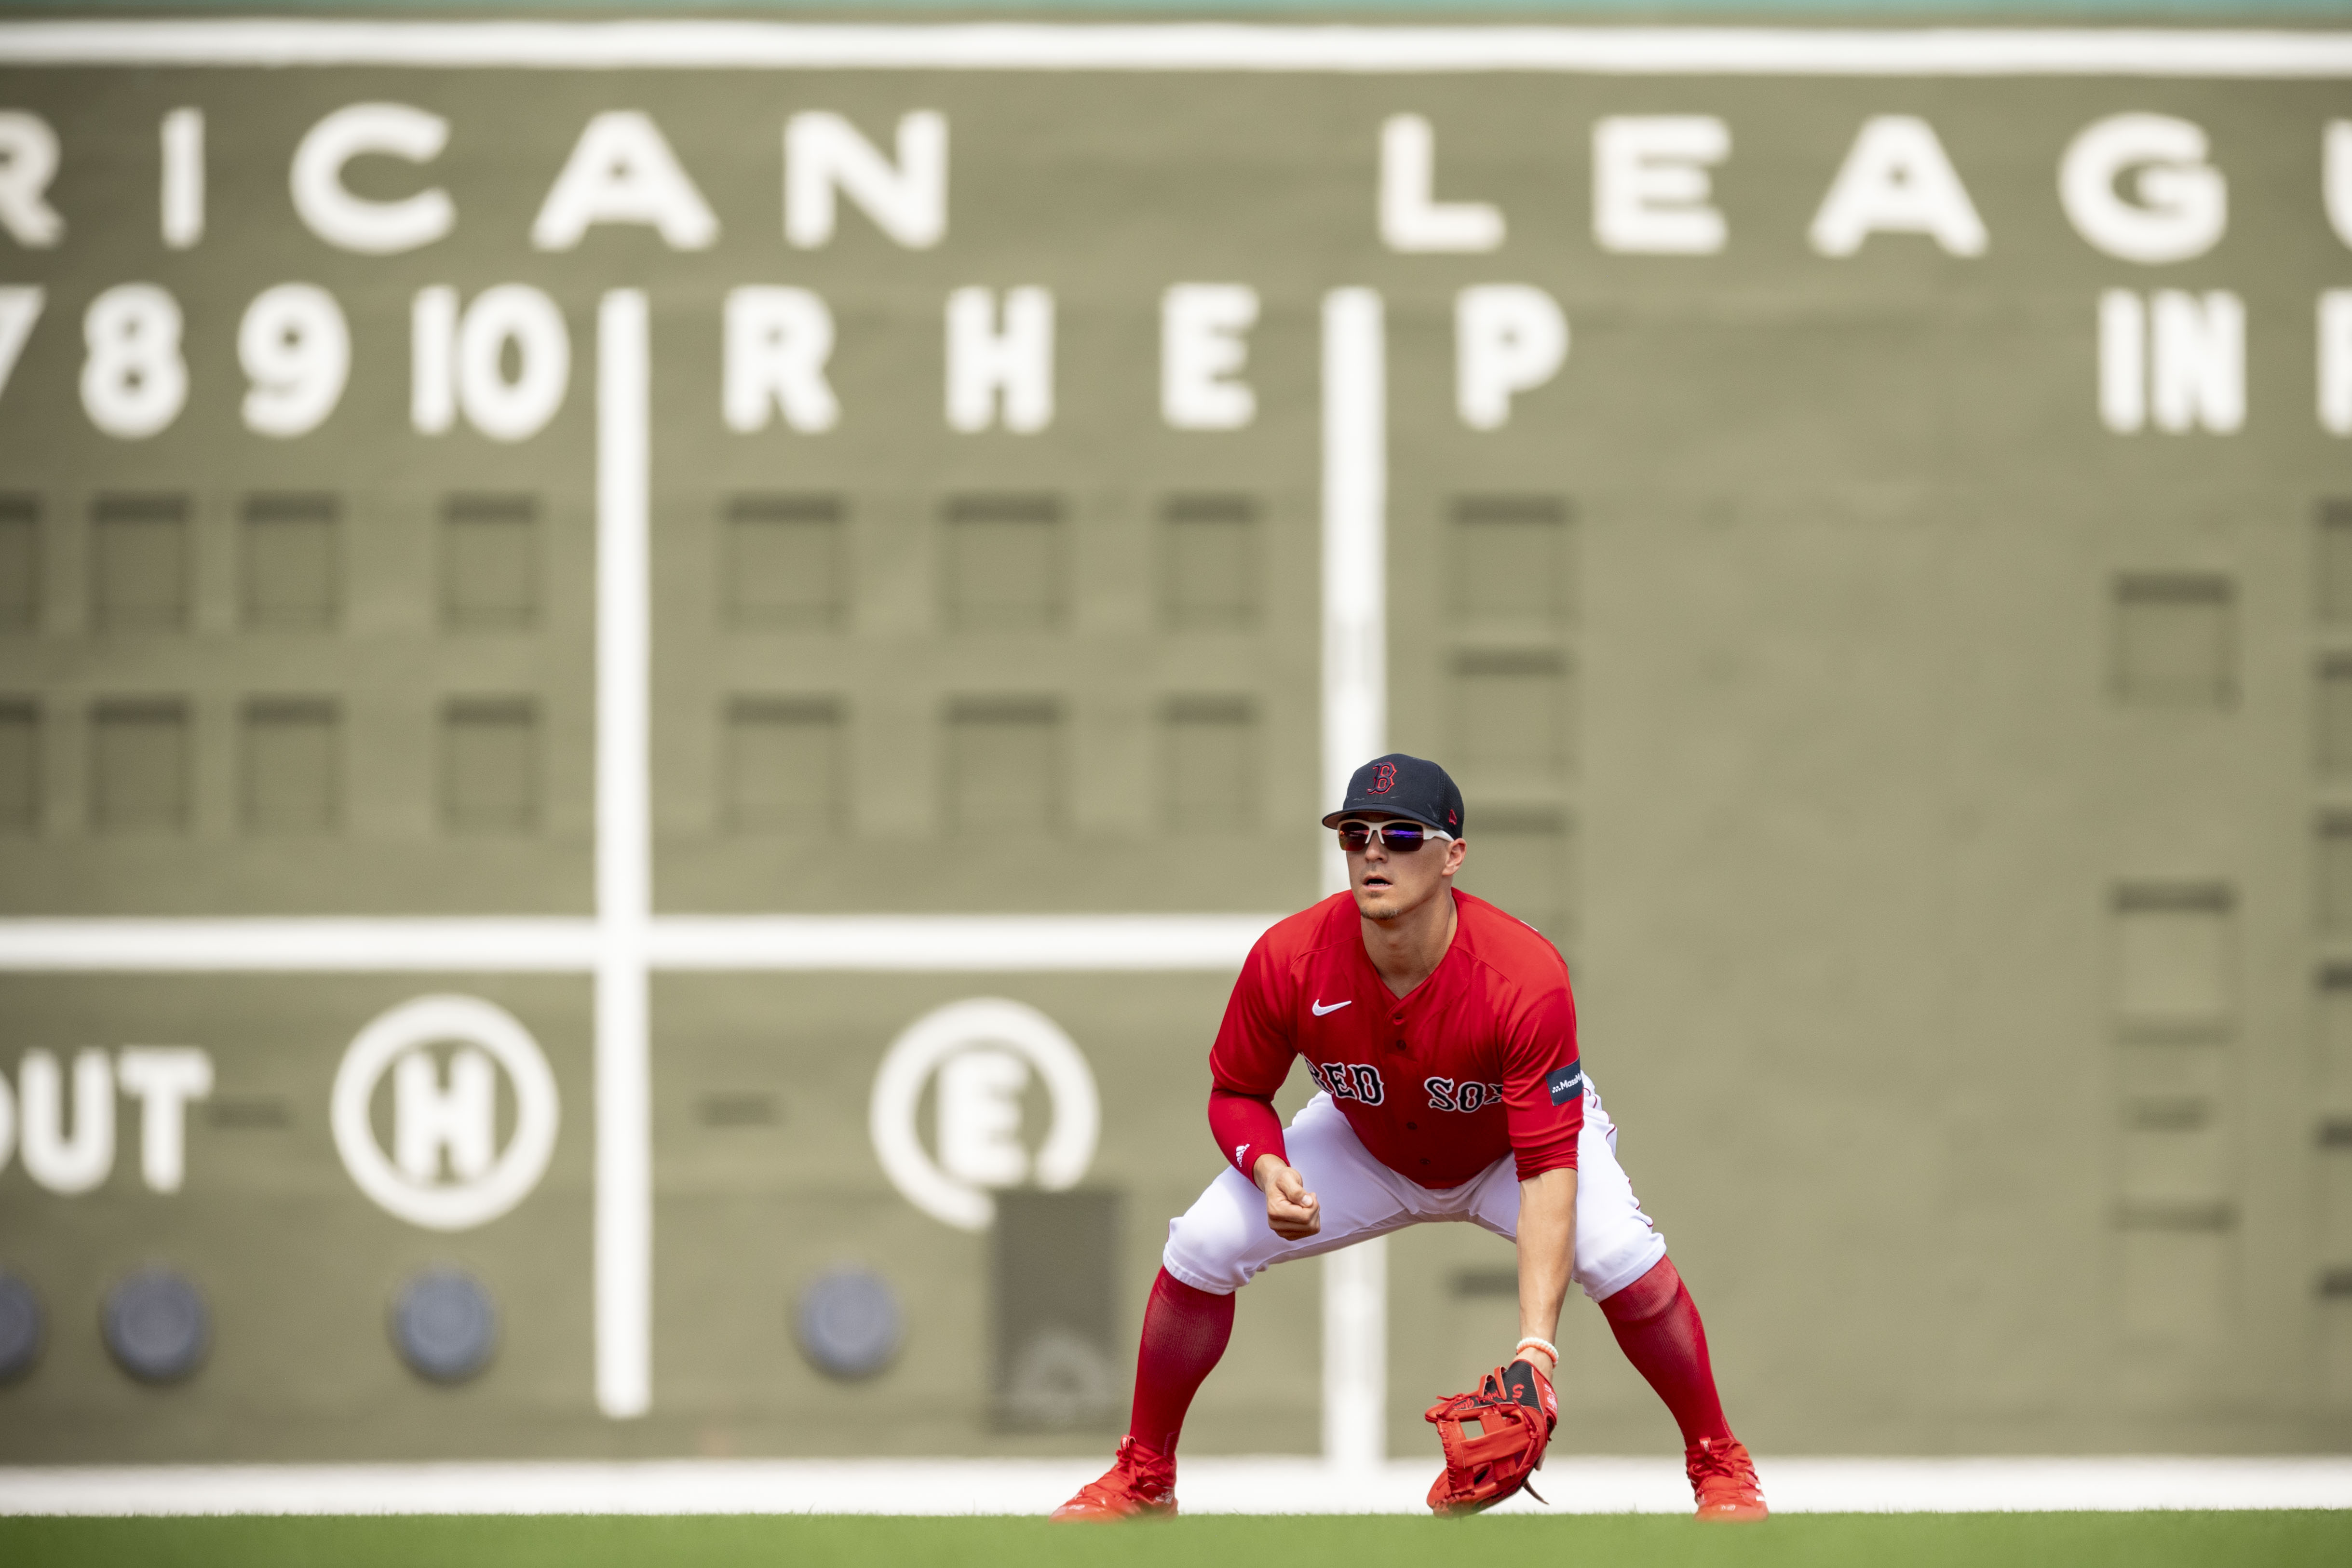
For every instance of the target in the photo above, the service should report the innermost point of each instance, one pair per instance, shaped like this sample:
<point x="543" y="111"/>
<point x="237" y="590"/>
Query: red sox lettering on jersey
<point x="1478" y="1061"/>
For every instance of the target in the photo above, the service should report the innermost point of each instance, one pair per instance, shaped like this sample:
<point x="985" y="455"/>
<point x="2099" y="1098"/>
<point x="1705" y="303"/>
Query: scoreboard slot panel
<point x="1002" y="766"/>
<point x="291" y="766"/>
<point x="140" y="563"/>
<point x="20" y="765"/>
<point x="491" y="765"/>
<point x="20" y="563"/>
<point x="1209" y="574"/>
<point x="140" y="766"/>
<point x="293" y="563"/>
<point x="489" y="576"/>
<point x="1003" y="564"/>
<point x="786" y="564"/>
<point x="1209" y="763"/>
<point x="2175" y="643"/>
<point x="784" y="765"/>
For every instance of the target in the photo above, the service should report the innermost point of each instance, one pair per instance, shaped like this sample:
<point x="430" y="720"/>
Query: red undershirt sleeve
<point x="1246" y="1128"/>
<point x="1251" y="1058"/>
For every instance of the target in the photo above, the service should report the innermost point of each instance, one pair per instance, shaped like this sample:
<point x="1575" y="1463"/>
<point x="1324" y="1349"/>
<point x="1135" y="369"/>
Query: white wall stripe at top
<point x="2190" y="52"/>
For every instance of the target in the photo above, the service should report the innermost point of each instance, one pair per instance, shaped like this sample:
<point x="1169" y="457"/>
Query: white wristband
<point x="1543" y="1345"/>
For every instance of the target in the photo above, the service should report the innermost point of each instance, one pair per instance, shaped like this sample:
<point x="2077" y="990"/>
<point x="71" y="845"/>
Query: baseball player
<point x="1442" y="1034"/>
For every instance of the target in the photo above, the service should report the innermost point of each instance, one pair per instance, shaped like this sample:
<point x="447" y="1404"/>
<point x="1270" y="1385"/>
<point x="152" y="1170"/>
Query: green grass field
<point x="1817" y="1540"/>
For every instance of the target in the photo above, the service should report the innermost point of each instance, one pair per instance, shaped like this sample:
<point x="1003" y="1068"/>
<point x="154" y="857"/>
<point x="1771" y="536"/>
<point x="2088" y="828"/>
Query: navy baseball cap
<point x="1405" y="786"/>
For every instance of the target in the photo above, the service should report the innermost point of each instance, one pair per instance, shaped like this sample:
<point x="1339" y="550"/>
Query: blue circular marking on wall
<point x="850" y="1324"/>
<point x="445" y="1325"/>
<point x="20" y="1327"/>
<point x="157" y="1326"/>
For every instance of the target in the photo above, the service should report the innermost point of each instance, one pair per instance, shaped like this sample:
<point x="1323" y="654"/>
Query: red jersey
<point x="1476" y="1061"/>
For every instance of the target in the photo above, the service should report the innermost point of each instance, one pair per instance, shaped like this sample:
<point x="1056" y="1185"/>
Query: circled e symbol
<point x="982" y="1051"/>
<point x="429" y="1120"/>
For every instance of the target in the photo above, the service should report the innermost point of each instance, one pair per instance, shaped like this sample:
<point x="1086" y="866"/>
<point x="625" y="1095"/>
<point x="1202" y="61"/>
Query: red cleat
<point x="1723" y="1479"/>
<point x="1141" y="1485"/>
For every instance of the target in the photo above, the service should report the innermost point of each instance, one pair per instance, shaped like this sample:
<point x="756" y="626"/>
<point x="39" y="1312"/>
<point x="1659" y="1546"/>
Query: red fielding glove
<point x="1515" y="1413"/>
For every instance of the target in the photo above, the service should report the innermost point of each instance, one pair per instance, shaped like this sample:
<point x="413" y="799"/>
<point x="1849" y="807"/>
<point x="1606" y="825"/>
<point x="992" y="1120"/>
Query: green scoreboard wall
<point x="666" y="667"/>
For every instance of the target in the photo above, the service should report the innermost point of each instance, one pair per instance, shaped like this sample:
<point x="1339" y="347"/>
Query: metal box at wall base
<point x="1053" y="1275"/>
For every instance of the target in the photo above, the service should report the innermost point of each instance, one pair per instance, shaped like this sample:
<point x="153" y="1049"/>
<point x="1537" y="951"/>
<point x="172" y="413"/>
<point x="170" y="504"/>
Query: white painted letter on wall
<point x="979" y="1118"/>
<point x="2336" y="362"/>
<point x="778" y="341"/>
<point x="2197" y="359"/>
<point x="428" y="1120"/>
<point x="20" y="307"/>
<point x="823" y="153"/>
<point x="353" y="223"/>
<point x="432" y="359"/>
<point x="519" y="315"/>
<point x="133" y="380"/>
<point x="163" y="1079"/>
<point x="2177" y="357"/>
<point x="1412" y="217"/>
<point x="1509" y="338"/>
<point x="2335" y="177"/>
<point x="28" y="162"/>
<point x="184" y="178"/>
<point x="1897" y="180"/>
<point x="622" y="170"/>
<point x="1203" y="345"/>
<point x="297" y="348"/>
<point x="2123" y="361"/>
<point x="1650" y="185"/>
<point x="2183" y="204"/>
<point x="59" y="1162"/>
<point x="1017" y="361"/>
<point x="457" y="360"/>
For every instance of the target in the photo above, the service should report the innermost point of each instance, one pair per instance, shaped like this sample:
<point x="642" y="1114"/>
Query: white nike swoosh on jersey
<point x="1321" y="1009"/>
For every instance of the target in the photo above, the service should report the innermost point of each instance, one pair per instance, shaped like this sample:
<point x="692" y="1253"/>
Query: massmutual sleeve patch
<point x="1566" y="1082"/>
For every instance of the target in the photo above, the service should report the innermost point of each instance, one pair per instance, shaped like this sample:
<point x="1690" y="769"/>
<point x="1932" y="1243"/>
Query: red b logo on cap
<point x="1383" y="778"/>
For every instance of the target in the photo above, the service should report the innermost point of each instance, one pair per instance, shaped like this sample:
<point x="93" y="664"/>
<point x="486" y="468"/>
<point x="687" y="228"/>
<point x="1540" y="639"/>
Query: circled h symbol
<point x="428" y="1020"/>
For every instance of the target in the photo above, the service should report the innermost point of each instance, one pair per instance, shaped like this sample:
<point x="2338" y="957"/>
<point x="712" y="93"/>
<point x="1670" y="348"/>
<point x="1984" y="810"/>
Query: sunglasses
<point x="1401" y="837"/>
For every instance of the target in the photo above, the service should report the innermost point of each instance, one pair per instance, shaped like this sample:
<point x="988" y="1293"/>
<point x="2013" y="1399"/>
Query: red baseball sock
<point x="1656" y="1324"/>
<point x="1184" y="1333"/>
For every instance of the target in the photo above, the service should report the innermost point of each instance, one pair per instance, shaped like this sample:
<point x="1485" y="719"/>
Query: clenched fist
<point x="1290" y="1208"/>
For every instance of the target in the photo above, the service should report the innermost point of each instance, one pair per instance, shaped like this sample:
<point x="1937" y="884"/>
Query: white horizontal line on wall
<point x="1264" y="1484"/>
<point x="954" y="942"/>
<point x="350" y="945"/>
<point x="523" y="944"/>
<point x="1189" y="47"/>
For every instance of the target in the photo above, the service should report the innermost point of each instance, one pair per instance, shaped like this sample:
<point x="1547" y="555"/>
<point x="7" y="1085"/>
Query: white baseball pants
<point x="1222" y="1241"/>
